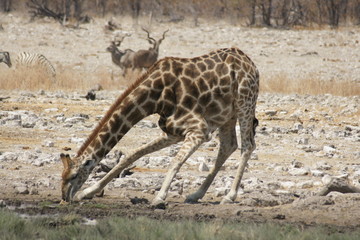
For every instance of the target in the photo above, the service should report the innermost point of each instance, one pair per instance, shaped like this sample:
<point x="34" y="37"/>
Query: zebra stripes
<point x="35" y="60"/>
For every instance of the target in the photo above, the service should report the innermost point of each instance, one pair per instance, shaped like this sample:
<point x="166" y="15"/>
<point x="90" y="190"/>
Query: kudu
<point x="146" y="58"/>
<point x="123" y="59"/>
<point x="135" y="60"/>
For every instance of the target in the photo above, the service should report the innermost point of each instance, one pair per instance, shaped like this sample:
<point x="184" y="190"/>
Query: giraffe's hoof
<point x="226" y="200"/>
<point x="83" y="195"/>
<point x="100" y="194"/>
<point x="191" y="200"/>
<point x="158" y="204"/>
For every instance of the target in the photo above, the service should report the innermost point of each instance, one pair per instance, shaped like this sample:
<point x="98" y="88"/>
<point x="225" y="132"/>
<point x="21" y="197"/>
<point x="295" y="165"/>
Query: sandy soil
<point x="301" y="129"/>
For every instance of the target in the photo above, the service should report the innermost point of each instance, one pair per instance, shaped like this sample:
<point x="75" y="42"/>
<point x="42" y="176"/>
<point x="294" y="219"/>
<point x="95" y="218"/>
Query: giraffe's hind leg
<point x="247" y="130"/>
<point x="228" y="144"/>
<point x="153" y="146"/>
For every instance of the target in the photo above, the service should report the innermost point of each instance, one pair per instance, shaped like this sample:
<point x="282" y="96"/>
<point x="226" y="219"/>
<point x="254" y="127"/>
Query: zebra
<point x="5" y="58"/>
<point x="35" y="59"/>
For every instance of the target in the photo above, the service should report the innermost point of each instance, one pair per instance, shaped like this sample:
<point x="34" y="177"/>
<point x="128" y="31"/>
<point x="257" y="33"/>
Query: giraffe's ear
<point x="65" y="158"/>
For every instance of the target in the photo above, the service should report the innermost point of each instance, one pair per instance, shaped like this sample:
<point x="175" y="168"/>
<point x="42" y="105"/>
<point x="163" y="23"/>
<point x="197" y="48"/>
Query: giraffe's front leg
<point x="231" y="196"/>
<point x="191" y="143"/>
<point x="228" y="144"/>
<point x="157" y="144"/>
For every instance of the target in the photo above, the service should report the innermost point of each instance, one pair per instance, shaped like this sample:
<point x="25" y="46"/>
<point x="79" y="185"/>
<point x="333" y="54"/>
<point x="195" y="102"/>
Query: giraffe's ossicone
<point x="193" y="97"/>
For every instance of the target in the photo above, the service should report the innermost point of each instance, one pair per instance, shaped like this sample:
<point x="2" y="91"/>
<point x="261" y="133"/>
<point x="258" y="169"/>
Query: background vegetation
<point x="276" y="13"/>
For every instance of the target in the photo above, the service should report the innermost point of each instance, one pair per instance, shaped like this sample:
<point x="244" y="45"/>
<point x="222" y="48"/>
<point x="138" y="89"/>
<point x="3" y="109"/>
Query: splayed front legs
<point x="161" y="142"/>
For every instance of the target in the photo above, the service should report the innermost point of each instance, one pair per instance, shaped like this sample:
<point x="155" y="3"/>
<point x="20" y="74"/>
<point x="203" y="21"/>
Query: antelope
<point x="146" y="58"/>
<point x="123" y="59"/>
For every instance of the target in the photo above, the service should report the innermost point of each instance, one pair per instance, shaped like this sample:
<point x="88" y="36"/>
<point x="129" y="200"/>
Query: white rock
<point x="74" y="120"/>
<point x="298" y="171"/>
<point x="37" y="163"/>
<point x="306" y="184"/>
<point x="280" y="168"/>
<point x="221" y="191"/>
<point x="326" y="179"/>
<point x="304" y="141"/>
<point x="298" y="126"/>
<point x="287" y="184"/>
<point x="322" y="165"/>
<point x="48" y="143"/>
<point x="77" y="140"/>
<point x="329" y="150"/>
<point x="356" y="174"/>
<point x="317" y="173"/>
<point x="48" y="110"/>
<point x="8" y="156"/>
<point x="271" y="112"/>
<point x="127" y="183"/>
<point x="22" y="189"/>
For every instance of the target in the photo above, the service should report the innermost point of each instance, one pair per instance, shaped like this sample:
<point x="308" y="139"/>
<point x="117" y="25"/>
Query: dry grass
<point x="77" y="80"/>
<point x="66" y="79"/>
<point x="309" y="85"/>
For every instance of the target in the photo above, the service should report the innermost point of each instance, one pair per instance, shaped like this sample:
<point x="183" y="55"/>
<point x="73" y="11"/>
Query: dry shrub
<point x="309" y="85"/>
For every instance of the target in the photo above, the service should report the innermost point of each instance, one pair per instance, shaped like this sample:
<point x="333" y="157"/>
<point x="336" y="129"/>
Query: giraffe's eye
<point x="87" y="163"/>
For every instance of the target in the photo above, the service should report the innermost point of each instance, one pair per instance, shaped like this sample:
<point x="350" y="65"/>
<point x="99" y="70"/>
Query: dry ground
<point x="302" y="61"/>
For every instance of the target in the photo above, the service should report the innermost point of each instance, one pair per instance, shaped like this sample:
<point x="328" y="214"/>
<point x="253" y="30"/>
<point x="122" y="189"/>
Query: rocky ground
<point x="303" y="141"/>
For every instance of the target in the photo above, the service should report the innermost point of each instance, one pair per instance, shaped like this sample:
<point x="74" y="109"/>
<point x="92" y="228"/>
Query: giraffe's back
<point x="211" y="86"/>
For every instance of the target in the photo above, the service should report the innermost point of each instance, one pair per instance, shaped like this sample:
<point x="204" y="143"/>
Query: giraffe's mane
<point x="113" y="107"/>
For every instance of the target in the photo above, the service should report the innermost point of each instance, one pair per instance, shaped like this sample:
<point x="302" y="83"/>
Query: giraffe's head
<point x="75" y="173"/>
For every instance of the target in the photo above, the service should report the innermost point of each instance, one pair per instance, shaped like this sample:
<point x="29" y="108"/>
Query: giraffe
<point x="193" y="97"/>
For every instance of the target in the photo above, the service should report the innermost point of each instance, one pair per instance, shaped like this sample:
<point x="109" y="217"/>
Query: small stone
<point x="49" y="110"/>
<point x="33" y="191"/>
<point x="303" y="141"/>
<point x="306" y="184"/>
<point x="222" y="191"/>
<point x="77" y="140"/>
<point x="298" y="171"/>
<point x="22" y="190"/>
<point x="322" y="165"/>
<point x="8" y="156"/>
<point x="270" y="113"/>
<point x="317" y="173"/>
<point x="287" y="184"/>
<point x="280" y="168"/>
<point x="279" y="216"/>
<point x="38" y="163"/>
<point x="326" y="179"/>
<point x="298" y="126"/>
<point x="74" y="120"/>
<point x="203" y="167"/>
<point x="297" y="164"/>
<point x="329" y="149"/>
<point x="48" y="143"/>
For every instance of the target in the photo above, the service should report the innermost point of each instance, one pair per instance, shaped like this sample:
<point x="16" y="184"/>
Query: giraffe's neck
<point x="120" y="118"/>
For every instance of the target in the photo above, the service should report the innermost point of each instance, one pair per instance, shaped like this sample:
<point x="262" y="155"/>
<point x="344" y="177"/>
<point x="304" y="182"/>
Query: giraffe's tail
<point x="255" y="124"/>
